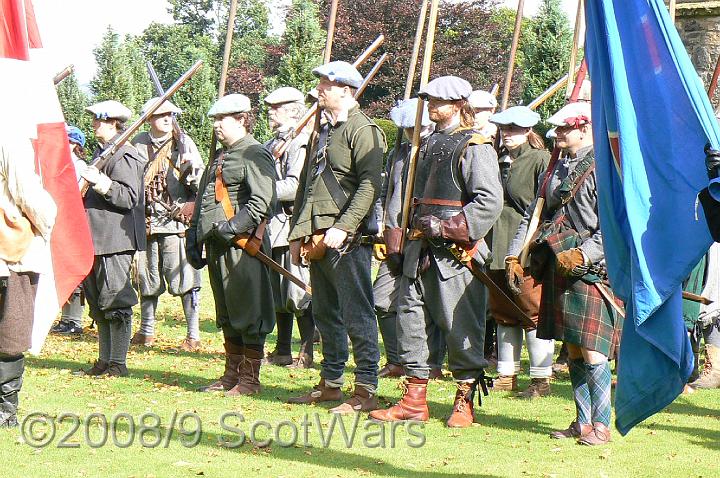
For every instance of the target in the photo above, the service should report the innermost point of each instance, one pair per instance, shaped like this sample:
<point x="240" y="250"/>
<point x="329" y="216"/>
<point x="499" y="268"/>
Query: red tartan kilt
<point x="575" y="312"/>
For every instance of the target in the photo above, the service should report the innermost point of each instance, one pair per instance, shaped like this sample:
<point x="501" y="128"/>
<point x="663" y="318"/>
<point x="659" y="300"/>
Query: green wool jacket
<point x="355" y="150"/>
<point x="528" y="164"/>
<point x="249" y="174"/>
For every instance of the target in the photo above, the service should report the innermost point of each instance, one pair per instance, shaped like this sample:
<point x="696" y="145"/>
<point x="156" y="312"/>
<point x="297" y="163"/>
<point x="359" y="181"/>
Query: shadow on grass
<point x="684" y="408"/>
<point x="698" y="436"/>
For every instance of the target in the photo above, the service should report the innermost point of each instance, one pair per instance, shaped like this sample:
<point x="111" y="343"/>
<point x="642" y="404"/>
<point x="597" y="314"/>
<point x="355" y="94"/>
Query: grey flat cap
<point x="341" y="72"/>
<point x="450" y="88"/>
<point x="403" y="115"/>
<point x="110" y="109"/>
<point x="482" y="99"/>
<point x="286" y="94"/>
<point x="166" y="107"/>
<point x="229" y="104"/>
<point x="518" y="115"/>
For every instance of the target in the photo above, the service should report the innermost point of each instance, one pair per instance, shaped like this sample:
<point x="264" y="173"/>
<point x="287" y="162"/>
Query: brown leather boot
<point x="505" y="383"/>
<point x="303" y="360"/>
<point x="462" y="415"/>
<point x="412" y="405"/>
<point x="142" y="339"/>
<point x="539" y="387"/>
<point x="599" y="435"/>
<point x="229" y="378"/>
<point x="319" y="393"/>
<point x="273" y="358"/>
<point x="360" y="401"/>
<point x="248" y="375"/>
<point x="391" y="370"/>
<point x="575" y="430"/>
<point x="710" y="375"/>
<point x="189" y="345"/>
<point x="100" y="367"/>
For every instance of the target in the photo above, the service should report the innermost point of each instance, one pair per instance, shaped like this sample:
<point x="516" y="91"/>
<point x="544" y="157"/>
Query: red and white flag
<point x="29" y="107"/>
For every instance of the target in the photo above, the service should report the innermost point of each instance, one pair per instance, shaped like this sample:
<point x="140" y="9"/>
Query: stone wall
<point x="699" y="25"/>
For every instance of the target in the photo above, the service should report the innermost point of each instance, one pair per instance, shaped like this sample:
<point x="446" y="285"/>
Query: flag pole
<point x="513" y="53"/>
<point x="577" y="44"/>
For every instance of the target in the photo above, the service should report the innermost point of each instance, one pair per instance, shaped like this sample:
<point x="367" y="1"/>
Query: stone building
<point x="699" y="25"/>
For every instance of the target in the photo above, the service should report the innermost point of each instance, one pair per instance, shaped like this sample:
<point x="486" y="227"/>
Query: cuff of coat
<point x="242" y="222"/>
<point x="346" y="226"/>
<point x="393" y="238"/>
<point x="455" y="229"/>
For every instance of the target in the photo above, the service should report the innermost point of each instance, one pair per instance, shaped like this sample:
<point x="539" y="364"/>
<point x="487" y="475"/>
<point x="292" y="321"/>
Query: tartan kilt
<point x="572" y="310"/>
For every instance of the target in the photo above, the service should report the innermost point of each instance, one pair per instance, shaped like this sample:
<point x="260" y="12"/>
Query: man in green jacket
<point x="236" y="195"/>
<point x="338" y="188"/>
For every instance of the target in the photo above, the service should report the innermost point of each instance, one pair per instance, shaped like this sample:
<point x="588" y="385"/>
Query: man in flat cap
<point x="457" y="198"/>
<point x="338" y="188"/>
<point x="387" y="281"/>
<point x="235" y="199"/>
<point x="567" y="257"/>
<point x="173" y="168"/>
<point x="115" y="208"/>
<point x="286" y="106"/>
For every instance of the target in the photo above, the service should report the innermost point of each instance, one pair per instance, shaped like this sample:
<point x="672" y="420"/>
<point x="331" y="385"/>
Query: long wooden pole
<point x="225" y="65"/>
<point x="330" y="31"/>
<point x="672" y="7"/>
<point x="714" y="80"/>
<point x="415" y="150"/>
<point x="552" y="89"/>
<point x="577" y="44"/>
<point x="67" y="71"/>
<point x="513" y="54"/>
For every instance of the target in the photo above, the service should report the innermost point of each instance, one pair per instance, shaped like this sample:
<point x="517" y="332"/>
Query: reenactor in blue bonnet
<point x="385" y="287"/>
<point x="523" y="159"/>
<point x="173" y="168"/>
<point x="286" y="106"/>
<point x="235" y="199"/>
<point x="567" y="258"/>
<point x="115" y="208"/>
<point x="336" y="196"/>
<point x="457" y="199"/>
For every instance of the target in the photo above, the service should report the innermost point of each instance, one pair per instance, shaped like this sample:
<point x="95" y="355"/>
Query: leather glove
<point x="100" y="181"/>
<point x="185" y="213"/>
<point x="455" y="229"/>
<point x="571" y="263"/>
<point x="394" y="263"/>
<point x="514" y="274"/>
<point x="193" y="250"/>
<point x="712" y="161"/>
<point x="226" y="231"/>
<point x="392" y="236"/>
<point x="430" y="226"/>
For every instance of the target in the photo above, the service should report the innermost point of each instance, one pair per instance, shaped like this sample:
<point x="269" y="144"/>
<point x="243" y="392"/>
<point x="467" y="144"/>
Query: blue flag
<point x="651" y="120"/>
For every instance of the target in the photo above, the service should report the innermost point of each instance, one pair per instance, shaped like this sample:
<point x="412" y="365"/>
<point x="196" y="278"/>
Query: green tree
<point x="172" y="49"/>
<point x="545" y="54"/>
<point x="202" y="17"/>
<point x="121" y="73"/>
<point x="73" y="101"/>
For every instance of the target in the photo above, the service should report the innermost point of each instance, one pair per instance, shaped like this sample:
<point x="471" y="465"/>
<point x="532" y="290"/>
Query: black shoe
<point x="66" y="328"/>
<point x="117" y="370"/>
<point x="100" y="367"/>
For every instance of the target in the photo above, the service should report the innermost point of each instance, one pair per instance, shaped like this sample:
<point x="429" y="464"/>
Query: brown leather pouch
<point x="313" y="248"/>
<point x="251" y="243"/>
<point x="15" y="237"/>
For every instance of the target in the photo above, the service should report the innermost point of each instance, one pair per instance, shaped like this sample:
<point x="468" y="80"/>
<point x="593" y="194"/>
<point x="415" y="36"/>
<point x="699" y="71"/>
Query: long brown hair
<point x="467" y="115"/>
<point x="535" y="140"/>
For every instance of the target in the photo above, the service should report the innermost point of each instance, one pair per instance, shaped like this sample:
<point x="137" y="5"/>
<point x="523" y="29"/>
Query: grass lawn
<point x="511" y="438"/>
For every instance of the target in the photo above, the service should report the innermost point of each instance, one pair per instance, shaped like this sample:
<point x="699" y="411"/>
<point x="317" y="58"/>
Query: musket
<point x="696" y="298"/>
<point x="513" y="53"/>
<point x="415" y="149"/>
<point x="159" y="91"/>
<point x="114" y="146"/>
<point x="495" y="89"/>
<point x="310" y="113"/>
<point x="672" y="7"/>
<point x="547" y="94"/>
<point x="225" y="64"/>
<point x="408" y="88"/>
<point x="63" y="74"/>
